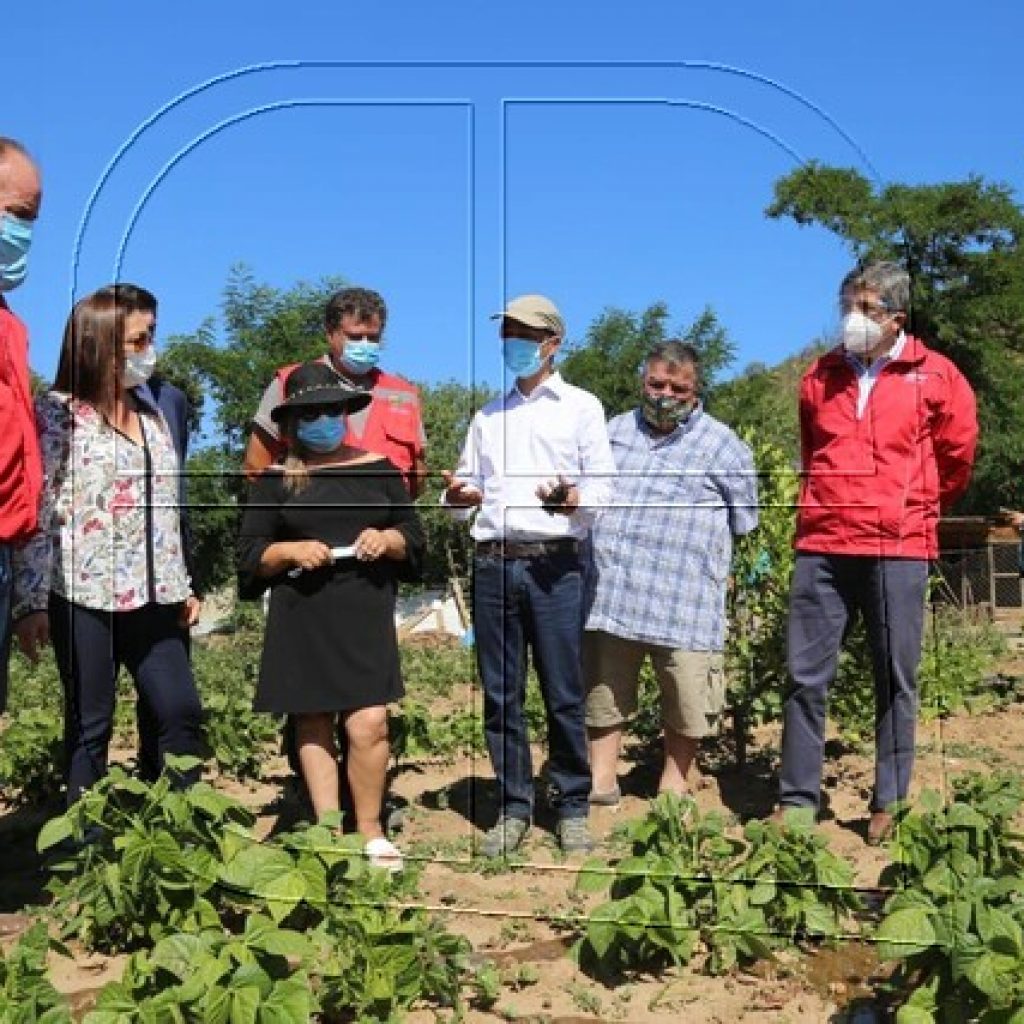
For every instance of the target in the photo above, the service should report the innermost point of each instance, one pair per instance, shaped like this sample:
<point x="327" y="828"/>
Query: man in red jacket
<point x="20" y="467"/>
<point x="887" y="435"/>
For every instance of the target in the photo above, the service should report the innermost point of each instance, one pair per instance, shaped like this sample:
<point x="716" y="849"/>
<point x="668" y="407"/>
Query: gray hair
<point x="672" y="352"/>
<point x="889" y="280"/>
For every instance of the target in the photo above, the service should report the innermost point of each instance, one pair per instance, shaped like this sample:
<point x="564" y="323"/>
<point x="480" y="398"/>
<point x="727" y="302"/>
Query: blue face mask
<point x="360" y="356"/>
<point x="521" y="357"/>
<point x="323" y="434"/>
<point x="15" y="242"/>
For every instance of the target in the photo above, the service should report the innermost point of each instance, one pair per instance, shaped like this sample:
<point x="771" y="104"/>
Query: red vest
<point x="21" y="471"/>
<point x="393" y="425"/>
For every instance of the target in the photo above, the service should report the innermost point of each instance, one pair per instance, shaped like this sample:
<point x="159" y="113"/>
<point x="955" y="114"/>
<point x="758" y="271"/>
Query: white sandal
<point x="382" y="853"/>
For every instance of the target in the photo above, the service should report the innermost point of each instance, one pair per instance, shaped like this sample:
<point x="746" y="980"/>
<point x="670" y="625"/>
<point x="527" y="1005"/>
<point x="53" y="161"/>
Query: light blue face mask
<point x="360" y="356"/>
<point x="521" y="357"/>
<point x="15" y="242"/>
<point x="323" y="434"/>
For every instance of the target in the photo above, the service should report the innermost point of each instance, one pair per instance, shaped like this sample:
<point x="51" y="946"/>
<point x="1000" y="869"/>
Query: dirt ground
<point x="512" y="914"/>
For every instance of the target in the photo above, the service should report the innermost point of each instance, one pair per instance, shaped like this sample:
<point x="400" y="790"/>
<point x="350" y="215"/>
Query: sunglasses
<point x="314" y="412"/>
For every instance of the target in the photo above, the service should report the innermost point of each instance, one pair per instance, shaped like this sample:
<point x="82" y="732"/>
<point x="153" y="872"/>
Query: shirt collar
<point x="894" y="353"/>
<point x="555" y="384"/>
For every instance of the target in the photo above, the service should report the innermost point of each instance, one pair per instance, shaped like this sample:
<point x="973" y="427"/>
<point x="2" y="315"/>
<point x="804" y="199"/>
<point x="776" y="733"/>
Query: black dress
<point x="330" y="642"/>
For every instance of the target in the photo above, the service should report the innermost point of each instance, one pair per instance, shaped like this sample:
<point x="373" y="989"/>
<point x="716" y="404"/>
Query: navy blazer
<point x="173" y="403"/>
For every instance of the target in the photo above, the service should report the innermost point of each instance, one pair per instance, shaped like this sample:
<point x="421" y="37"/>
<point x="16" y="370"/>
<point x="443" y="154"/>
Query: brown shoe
<point x="879" y="828"/>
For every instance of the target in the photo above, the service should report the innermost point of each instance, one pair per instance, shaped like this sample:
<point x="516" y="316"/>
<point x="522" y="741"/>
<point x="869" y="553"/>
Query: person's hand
<point x="460" y="493"/>
<point x="1013" y="518"/>
<point x="309" y="554"/>
<point x="33" y="632"/>
<point x="371" y="544"/>
<point x="560" y="498"/>
<point x="189" y="614"/>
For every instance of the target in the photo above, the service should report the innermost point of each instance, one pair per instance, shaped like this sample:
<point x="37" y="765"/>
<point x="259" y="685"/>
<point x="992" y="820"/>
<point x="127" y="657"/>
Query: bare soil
<point x="515" y="914"/>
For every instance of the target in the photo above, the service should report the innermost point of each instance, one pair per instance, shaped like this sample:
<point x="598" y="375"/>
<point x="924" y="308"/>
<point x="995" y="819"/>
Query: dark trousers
<point x="536" y="603"/>
<point x="6" y="587"/>
<point x="826" y="593"/>
<point x="90" y="647"/>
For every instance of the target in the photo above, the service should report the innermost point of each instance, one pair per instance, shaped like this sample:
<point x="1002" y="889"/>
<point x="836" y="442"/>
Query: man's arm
<point x="597" y="465"/>
<point x="955" y="438"/>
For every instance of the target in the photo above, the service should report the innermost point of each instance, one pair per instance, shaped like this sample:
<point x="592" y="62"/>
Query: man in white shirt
<point x="537" y="467"/>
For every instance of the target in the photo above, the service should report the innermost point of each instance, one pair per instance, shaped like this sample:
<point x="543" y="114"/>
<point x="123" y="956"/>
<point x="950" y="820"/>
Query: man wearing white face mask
<point x="538" y="468"/>
<point x="888" y="432"/>
<point x="20" y="464"/>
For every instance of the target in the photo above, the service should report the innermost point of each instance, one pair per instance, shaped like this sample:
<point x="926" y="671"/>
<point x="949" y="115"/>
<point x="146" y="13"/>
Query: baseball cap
<point x="534" y="311"/>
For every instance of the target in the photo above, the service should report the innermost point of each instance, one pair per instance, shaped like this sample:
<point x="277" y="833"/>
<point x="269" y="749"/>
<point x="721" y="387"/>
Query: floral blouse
<point x="109" y="519"/>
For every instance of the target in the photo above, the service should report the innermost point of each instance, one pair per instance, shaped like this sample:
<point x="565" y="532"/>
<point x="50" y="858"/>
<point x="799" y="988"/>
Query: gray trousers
<point x="827" y="591"/>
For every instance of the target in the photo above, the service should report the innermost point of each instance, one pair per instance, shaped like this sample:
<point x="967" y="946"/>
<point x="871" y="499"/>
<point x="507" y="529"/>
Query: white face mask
<point x="860" y="333"/>
<point x="139" y="367"/>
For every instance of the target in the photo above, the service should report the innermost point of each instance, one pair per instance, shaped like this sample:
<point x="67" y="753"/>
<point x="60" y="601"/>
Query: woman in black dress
<point x="330" y="532"/>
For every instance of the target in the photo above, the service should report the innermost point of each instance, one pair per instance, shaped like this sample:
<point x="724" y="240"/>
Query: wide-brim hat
<point x="315" y="383"/>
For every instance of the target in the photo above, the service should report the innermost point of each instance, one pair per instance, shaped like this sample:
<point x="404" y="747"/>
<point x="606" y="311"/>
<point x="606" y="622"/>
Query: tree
<point x="961" y="242"/>
<point x="608" y="361"/>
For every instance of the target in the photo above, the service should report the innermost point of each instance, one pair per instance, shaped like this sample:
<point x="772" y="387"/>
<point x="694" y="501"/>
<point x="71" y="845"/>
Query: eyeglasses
<point x="875" y="310"/>
<point x="314" y="412"/>
<point x="139" y="343"/>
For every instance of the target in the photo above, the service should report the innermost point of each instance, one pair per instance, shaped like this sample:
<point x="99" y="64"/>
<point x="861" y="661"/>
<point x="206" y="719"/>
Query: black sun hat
<point x="315" y="383"/>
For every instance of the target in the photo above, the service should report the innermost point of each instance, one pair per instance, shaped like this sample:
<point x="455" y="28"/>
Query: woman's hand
<point x="33" y="632"/>
<point x="189" y="614"/>
<point x="308" y="554"/>
<point x="372" y="544"/>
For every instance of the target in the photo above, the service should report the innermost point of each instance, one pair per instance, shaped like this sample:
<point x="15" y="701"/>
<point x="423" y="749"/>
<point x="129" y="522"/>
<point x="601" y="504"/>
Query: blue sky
<point x="444" y="183"/>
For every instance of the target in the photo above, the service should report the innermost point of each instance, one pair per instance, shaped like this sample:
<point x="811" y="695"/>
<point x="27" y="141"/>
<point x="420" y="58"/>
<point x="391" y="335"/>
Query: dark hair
<point x="92" y="353"/>
<point x="674" y="352"/>
<point x="133" y="297"/>
<point x="361" y="303"/>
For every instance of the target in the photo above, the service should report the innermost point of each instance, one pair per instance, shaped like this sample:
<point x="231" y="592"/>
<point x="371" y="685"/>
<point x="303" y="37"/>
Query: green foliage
<point x="758" y="602"/>
<point x="214" y="490"/>
<point x="26" y="994"/>
<point x="210" y="976"/>
<point x="144" y="860"/>
<point x="237" y="737"/>
<point x="31" y="753"/>
<point x="956" y="924"/>
<point x="687" y="885"/>
<point x="961" y="242"/>
<point x="448" y="408"/>
<point x="609" y="359"/>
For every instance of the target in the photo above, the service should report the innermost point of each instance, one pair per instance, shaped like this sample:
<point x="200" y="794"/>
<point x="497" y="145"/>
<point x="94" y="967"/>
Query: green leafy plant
<point x="214" y="977"/>
<point x="687" y="885"/>
<point x="956" y="925"/>
<point x="31" y="753"/>
<point x="237" y="736"/>
<point x="141" y="859"/>
<point x="26" y="994"/>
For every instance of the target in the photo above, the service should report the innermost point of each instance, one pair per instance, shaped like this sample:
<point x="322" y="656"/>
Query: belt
<point x="528" y="548"/>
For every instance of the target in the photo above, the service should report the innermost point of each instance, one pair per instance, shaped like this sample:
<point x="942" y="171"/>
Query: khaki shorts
<point x="692" y="683"/>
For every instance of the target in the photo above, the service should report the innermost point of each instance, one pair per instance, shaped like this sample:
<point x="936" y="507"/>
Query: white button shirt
<point x="518" y="442"/>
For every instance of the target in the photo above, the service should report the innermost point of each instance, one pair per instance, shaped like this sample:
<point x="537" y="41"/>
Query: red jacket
<point x="21" y="471"/>
<point x="392" y="424"/>
<point x="875" y="485"/>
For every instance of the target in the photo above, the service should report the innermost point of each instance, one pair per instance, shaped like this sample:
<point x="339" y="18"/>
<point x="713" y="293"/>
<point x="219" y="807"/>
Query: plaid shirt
<point x="661" y="552"/>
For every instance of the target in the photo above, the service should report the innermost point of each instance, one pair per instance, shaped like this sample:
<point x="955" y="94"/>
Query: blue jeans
<point x="535" y="603"/>
<point x="6" y="588"/>
<point x="826" y="593"/>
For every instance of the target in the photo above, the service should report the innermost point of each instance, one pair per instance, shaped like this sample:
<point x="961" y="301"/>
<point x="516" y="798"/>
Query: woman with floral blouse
<point x="105" y="577"/>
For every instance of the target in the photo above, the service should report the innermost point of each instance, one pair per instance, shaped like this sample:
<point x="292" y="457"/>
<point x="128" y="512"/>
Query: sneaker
<point x="574" y="836"/>
<point x="506" y="837"/>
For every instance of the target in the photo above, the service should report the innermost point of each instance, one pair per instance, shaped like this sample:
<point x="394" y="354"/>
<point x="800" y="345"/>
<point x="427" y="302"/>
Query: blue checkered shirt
<point x="661" y="552"/>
